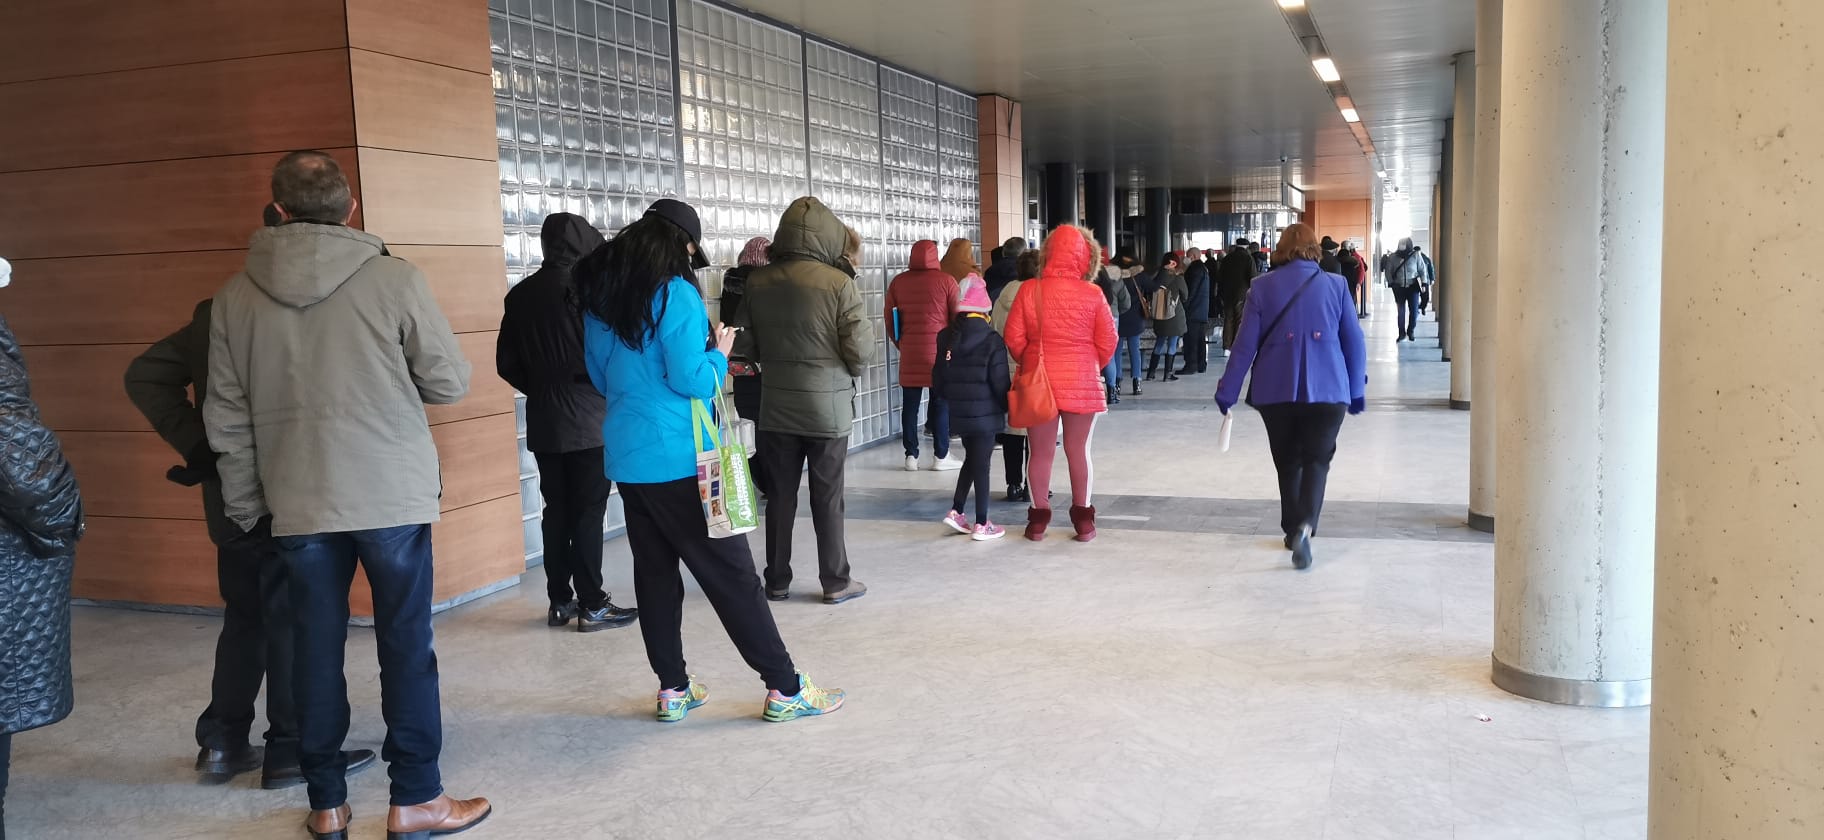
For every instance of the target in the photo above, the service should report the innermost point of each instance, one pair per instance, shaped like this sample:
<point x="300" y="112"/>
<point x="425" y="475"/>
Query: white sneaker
<point x="946" y="464"/>
<point x="911" y="463"/>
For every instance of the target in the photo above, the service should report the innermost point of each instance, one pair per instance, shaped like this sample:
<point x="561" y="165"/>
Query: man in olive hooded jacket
<point x="812" y="339"/>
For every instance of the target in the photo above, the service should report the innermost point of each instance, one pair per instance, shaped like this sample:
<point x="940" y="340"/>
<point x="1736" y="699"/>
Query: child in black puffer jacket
<point x="971" y="373"/>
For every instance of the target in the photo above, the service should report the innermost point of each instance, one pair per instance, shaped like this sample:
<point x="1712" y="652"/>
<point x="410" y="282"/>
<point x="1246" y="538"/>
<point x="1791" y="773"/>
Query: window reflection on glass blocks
<point x="959" y="163"/>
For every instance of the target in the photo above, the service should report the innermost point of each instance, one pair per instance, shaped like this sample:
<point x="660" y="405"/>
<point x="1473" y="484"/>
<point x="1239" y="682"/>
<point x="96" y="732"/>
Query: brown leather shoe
<point x="329" y="825"/>
<point x="435" y="818"/>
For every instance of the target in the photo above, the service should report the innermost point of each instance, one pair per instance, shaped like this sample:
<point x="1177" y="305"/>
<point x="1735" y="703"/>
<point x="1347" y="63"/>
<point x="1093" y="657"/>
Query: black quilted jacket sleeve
<point x="38" y="495"/>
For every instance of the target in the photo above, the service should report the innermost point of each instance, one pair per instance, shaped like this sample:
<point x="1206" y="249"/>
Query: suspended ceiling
<point x="1182" y="93"/>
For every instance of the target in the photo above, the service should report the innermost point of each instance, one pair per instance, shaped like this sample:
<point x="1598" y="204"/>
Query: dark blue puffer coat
<point x="971" y="372"/>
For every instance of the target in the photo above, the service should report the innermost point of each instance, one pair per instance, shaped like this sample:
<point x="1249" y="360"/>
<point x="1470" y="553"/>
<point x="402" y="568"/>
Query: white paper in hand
<point x="1228" y="426"/>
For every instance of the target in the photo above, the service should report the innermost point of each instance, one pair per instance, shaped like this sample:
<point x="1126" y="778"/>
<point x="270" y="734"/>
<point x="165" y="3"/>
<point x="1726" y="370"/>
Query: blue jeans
<point x="908" y="422"/>
<point x="398" y="566"/>
<point x="1129" y="345"/>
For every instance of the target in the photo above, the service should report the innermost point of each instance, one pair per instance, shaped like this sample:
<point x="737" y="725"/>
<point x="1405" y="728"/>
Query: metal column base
<point x="1459" y="405"/>
<point x="1482" y="522"/>
<point x="1606" y="694"/>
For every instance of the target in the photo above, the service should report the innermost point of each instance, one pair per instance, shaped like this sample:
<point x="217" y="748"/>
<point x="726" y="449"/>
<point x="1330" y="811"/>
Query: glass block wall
<point x="585" y="118"/>
<point x="595" y="115"/>
<point x="843" y="90"/>
<point x="909" y="150"/>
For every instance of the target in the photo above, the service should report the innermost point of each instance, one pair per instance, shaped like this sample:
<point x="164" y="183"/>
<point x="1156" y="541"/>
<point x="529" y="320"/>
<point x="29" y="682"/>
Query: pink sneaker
<point x="988" y="531"/>
<point x="957" y="523"/>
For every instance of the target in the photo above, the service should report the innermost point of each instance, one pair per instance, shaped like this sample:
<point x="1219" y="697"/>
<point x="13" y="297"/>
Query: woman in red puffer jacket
<point x="1062" y="320"/>
<point x="920" y="302"/>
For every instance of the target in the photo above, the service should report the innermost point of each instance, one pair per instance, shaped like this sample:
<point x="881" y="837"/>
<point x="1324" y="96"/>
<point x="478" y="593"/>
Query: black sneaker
<point x="778" y="594"/>
<point x="561" y="614"/>
<point x="609" y="615"/>
<point x="1019" y="493"/>
<point x="291" y="775"/>
<point x="1301" y="548"/>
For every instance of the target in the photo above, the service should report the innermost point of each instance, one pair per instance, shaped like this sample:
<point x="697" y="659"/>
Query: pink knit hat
<point x="975" y="295"/>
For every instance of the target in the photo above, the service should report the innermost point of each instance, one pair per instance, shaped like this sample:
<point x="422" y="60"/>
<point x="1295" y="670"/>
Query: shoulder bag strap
<point x="1274" y="324"/>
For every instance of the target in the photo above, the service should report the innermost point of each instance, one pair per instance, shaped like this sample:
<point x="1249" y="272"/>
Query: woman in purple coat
<point x="1300" y="337"/>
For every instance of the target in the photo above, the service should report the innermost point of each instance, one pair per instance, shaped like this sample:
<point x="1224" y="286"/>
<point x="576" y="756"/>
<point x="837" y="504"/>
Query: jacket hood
<point x="302" y="263"/>
<point x="1406" y="245"/>
<point x="1068" y="255"/>
<point x="567" y="238"/>
<point x="959" y="259"/>
<point x="970" y="333"/>
<point x="810" y="231"/>
<point x="924" y="256"/>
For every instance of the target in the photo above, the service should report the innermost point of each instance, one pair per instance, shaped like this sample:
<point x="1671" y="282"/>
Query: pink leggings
<point x="1042" y="449"/>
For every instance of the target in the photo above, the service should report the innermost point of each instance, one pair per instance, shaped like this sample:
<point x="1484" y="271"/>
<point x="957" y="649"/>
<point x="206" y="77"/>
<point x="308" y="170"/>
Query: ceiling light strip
<point x="1304" y="29"/>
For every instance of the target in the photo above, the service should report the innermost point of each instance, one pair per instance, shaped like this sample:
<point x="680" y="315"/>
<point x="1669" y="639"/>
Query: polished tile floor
<point x="1174" y="679"/>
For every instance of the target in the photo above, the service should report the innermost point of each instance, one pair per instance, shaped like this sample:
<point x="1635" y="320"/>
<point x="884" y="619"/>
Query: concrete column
<point x="1459" y="275"/>
<point x="1487" y="200"/>
<point x="1583" y="122"/>
<point x="1739" y="635"/>
<point x="1156" y="230"/>
<point x="1099" y="195"/>
<point x="1061" y="206"/>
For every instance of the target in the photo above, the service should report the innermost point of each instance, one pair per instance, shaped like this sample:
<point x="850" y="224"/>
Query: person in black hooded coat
<point x="540" y="353"/>
<point x="40" y="522"/>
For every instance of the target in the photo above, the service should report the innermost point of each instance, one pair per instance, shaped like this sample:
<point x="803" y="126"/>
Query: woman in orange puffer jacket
<point x="1063" y="319"/>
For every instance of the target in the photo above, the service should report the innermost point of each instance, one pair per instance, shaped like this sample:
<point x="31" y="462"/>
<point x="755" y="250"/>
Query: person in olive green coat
<point x="812" y="340"/>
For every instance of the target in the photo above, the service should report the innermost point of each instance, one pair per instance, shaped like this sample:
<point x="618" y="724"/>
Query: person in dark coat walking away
<point x="40" y="522"/>
<point x="1168" y="315"/>
<point x="919" y="303"/>
<point x="653" y="354"/>
<point x="1235" y="278"/>
<point x="743" y="370"/>
<point x="972" y="372"/>
<point x="1196" y="314"/>
<point x="1303" y="344"/>
<point x="255" y="644"/>
<point x="540" y="353"/>
<point x="1005" y="266"/>
<point x="1352" y="267"/>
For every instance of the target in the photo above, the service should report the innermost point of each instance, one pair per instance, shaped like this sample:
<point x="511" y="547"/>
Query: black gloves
<point x="199" y="466"/>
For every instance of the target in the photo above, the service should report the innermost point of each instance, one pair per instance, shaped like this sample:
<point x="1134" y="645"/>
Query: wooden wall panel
<point x="123" y="474"/>
<point x="413" y="106"/>
<point x="480" y="460"/>
<point x="468" y="280"/>
<point x="44" y="40"/>
<point x="154" y="561"/>
<point x="488" y="393"/>
<point x="473" y="547"/>
<point x="417" y="199"/>
<point x="266" y="104"/>
<point x="79" y="387"/>
<point x="149" y="296"/>
<point x="136" y="208"/>
<point x="453" y="34"/>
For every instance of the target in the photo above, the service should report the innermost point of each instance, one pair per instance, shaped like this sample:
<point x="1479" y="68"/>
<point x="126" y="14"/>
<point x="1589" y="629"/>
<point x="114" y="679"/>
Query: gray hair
<point x="310" y="185"/>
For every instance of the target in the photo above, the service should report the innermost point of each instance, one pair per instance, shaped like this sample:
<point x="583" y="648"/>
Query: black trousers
<point x="747" y="404"/>
<point x="1197" y="346"/>
<point x="1303" y="439"/>
<point x="785" y="457"/>
<point x="978" y="459"/>
<point x="1013" y="454"/>
<point x="255" y="645"/>
<point x="665" y="525"/>
<point x="576" y="499"/>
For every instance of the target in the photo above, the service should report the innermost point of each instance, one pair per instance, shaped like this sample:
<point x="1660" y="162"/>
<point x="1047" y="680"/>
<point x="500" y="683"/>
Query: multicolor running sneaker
<point x="809" y="701"/>
<point x="957" y="523"/>
<point x="674" y="704"/>
<point x="988" y="531"/>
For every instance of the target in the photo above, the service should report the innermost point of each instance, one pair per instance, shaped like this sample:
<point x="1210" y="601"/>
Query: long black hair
<point x="618" y="281"/>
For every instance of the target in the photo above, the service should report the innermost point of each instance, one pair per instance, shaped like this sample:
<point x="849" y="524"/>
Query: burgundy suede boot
<point x="1036" y="521"/>
<point x="1084" y="520"/>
